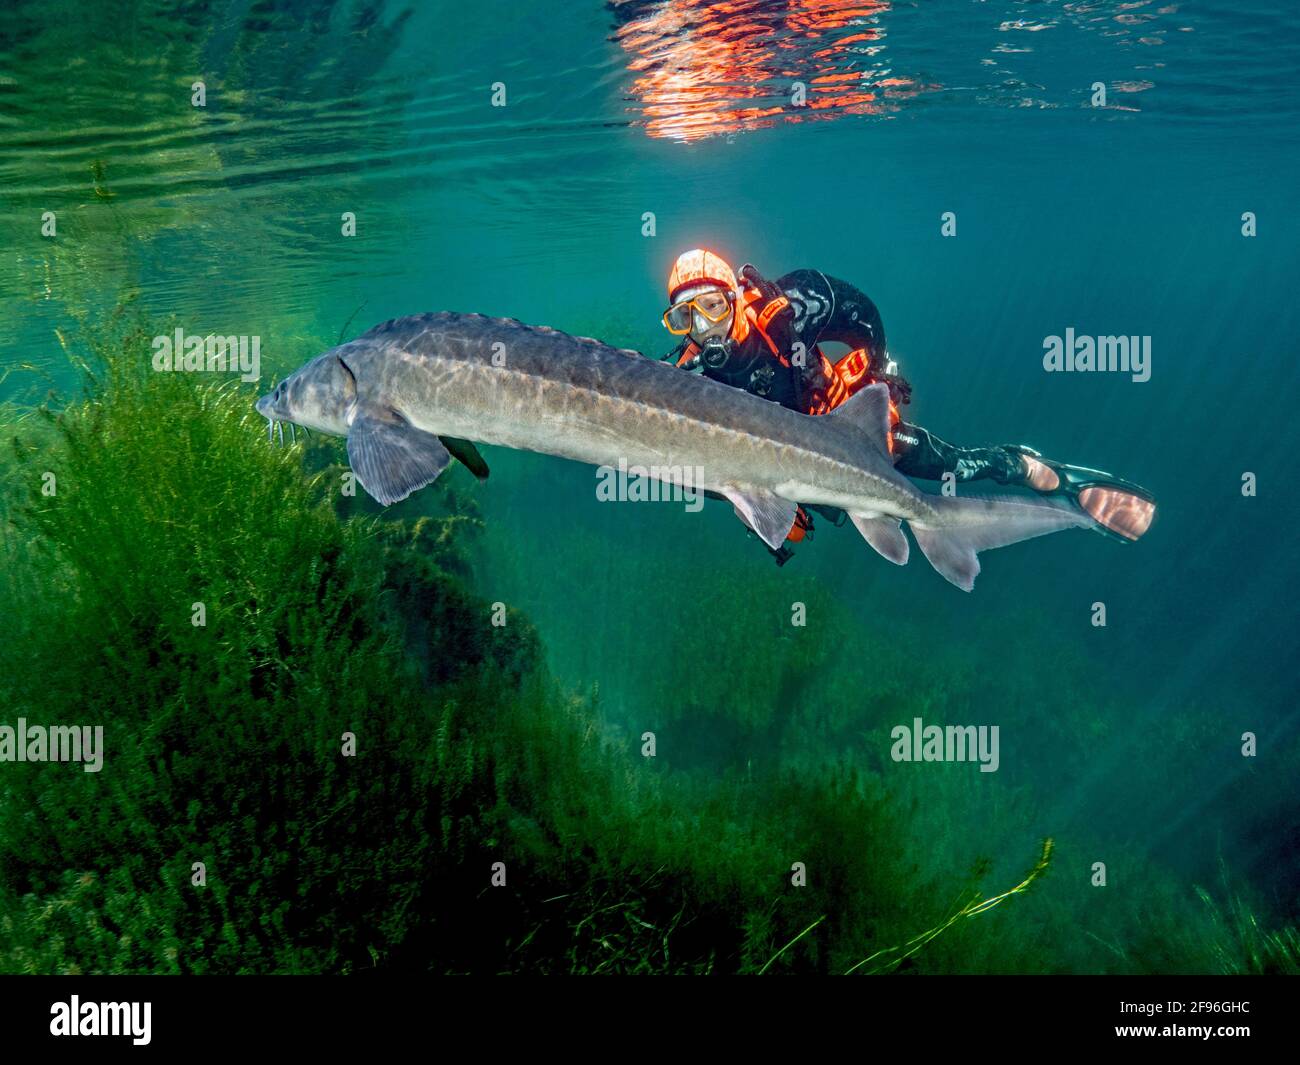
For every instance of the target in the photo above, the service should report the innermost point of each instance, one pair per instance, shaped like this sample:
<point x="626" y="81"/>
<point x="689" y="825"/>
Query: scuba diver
<point x="764" y="337"/>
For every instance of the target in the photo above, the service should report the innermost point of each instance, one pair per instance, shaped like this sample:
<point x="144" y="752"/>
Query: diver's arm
<point x="825" y="308"/>
<point x="828" y="309"/>
<point x="855" y="320"/>
<point x="783" y="330"/>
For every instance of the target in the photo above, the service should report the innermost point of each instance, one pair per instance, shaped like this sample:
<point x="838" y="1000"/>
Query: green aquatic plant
<point x="892" y="957"/>
<point x="1241" y="945"/>
<point x="224" y="736"/>
<point x="777" y="849"/>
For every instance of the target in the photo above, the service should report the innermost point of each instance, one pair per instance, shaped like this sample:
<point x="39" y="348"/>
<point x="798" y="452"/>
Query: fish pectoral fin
<point x="467" y="455"/>
<point x="391" y="457"/>
<point x="885" y="535"/>
<point x="765" y="512"/>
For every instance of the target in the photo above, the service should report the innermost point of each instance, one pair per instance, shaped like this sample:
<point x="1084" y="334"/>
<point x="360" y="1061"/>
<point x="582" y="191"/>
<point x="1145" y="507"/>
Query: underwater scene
<point x="759" y="487"/>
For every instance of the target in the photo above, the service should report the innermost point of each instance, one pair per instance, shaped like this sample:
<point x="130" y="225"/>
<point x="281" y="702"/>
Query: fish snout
<point x="274" y="405"/>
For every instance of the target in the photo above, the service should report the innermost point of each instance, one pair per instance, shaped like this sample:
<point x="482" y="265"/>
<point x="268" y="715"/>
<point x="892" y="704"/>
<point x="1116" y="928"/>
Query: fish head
<point x="320" y="395"/>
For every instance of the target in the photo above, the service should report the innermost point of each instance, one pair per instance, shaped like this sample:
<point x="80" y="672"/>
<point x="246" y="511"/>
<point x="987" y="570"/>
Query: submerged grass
<point x="320" y="619"/>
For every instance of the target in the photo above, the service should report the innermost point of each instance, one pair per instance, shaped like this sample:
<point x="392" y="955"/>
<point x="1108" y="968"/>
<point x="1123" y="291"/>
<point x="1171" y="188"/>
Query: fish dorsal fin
<point x="866" y="413"/>
<point x="391" y="457"/>
<point x="765" y="512"/>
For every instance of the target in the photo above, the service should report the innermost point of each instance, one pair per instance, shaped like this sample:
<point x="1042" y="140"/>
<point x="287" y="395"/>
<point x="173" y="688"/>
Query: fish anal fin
<point x="885" y="535"/>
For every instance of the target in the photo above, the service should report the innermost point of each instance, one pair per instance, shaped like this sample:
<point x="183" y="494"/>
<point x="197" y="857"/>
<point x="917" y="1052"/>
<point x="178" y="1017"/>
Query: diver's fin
<point x="1121" y="509"/>
<point x="973" y="524"/>
<point x="467" y="454"/>
<point x="885" y="535"/>
<point x="1120" y="514"/>
<point x="867" y="413"/>
<point x="391" y="457"/>
<point x="765" y="512"/>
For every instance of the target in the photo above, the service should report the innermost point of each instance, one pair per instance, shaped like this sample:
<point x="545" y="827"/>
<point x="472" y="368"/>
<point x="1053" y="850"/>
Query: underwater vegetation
<point x="323" y="616"/>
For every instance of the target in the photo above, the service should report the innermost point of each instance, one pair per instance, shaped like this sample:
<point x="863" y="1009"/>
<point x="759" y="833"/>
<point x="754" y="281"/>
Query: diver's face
<point x="704" y="331"/>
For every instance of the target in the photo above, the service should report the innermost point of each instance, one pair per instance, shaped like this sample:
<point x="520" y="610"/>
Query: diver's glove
<point x="765" y="288"/>
<point x="900" y="388"/>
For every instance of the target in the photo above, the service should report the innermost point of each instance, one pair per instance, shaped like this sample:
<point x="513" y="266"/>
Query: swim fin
<point x="1122" y="510"/>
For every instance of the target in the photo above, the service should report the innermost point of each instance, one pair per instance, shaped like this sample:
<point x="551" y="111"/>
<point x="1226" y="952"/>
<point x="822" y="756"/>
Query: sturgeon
<point x="413" y="392"/>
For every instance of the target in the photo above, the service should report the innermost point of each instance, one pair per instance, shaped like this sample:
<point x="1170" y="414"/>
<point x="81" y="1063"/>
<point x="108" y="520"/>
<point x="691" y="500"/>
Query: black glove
<point x="767" y="289"/>
<point x="900" y="389"/>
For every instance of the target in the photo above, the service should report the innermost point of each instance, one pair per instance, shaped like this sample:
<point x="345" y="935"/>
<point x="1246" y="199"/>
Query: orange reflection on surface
<point x="710" y="67"/>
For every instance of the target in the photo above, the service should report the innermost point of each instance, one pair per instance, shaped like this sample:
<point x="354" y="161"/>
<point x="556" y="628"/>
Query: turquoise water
<point x="1117" y="219"/>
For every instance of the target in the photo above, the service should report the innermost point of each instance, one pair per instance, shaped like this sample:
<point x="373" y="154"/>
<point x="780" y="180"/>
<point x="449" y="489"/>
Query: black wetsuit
<point x="824" y="309"/>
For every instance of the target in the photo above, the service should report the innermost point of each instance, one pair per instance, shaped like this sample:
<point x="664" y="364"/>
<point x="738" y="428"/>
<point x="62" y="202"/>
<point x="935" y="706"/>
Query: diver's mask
<point x="702" y="313"/>
<point x="706" y="317"/>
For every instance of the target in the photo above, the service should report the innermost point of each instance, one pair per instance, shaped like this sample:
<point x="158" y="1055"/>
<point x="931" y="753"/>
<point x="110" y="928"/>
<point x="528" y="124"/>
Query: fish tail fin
<point x="968" y="525"/>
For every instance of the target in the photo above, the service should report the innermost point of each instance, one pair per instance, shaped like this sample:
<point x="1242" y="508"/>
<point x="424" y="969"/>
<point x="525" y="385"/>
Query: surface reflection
<point x="708" y="67"/>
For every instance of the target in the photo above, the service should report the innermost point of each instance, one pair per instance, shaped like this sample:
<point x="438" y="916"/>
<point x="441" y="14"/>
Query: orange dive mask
<point x="714" y="306"/>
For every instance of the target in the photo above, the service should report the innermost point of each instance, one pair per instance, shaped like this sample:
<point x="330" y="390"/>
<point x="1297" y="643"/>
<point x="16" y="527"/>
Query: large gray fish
<point x="412" y="392"/>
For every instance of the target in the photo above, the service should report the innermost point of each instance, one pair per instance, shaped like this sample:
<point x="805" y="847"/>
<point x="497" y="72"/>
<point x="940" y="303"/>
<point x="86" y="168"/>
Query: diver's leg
<point x="919" y="453"/>
<point x="1120" y="508"/>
